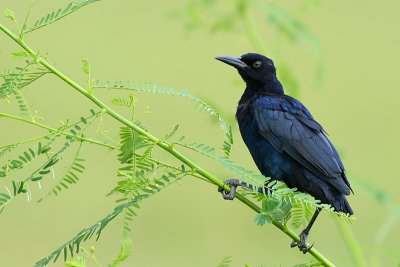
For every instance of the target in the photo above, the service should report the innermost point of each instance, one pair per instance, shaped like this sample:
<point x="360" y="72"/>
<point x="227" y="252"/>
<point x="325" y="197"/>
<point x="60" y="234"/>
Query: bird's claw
<point x="233" y="183"/>
<point x="302" y="244"/>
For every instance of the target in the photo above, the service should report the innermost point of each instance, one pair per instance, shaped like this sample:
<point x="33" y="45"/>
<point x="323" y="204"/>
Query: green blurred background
<point x="356" y="98"/>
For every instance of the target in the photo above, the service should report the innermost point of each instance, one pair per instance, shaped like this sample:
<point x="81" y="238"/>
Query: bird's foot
<point x="302" y="244"/>
<point x="233" y="183"/>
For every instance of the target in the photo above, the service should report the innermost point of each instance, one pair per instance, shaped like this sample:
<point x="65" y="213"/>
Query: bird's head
<point x="255" y="69"/>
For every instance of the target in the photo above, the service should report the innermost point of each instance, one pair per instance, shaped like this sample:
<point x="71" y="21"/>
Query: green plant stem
<point x="83" y="139"/>
<point x="161" y="143"/>
<point x="26" y="19"/>
<point x="352" y="243"/>
<point x="249" y="26"/>
<point x="53" y="131"/>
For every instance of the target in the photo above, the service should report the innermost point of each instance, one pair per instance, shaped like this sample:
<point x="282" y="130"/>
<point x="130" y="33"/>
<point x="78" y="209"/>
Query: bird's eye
<point x="257" y="64"/>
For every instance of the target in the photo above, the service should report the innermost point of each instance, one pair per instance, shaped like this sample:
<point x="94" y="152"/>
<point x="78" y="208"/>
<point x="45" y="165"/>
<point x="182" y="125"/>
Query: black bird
<point x="285" y="141"/>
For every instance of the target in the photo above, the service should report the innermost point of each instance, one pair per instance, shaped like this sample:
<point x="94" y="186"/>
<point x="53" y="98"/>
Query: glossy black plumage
<point x="284" y="139"/>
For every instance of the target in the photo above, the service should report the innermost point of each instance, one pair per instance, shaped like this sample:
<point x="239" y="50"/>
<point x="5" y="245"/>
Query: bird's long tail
<point x="343" y="205"/>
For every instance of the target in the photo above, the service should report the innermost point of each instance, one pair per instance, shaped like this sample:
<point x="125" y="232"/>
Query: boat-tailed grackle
<point x="285" y="141"/>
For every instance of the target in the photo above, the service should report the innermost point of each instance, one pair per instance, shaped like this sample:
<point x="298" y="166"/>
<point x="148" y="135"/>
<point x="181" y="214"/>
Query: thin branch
<point x="250" y="26"/>
<point x="53" y="131"/>
<point x="82" y="139"/>
<point x="352" y="243"/>
<point x="26" y="19"/>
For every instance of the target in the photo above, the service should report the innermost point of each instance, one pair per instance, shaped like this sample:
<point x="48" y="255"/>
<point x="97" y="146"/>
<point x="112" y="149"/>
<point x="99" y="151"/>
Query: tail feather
<point x="341" y="204"/>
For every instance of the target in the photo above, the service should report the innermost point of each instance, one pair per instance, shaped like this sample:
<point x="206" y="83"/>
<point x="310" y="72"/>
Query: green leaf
<point x="301" y="215"/>
<point x="19" y="162"/>
<point x="44" y="149"/>
<point x="20" y="54"/>
<point x="59" y="14"/>
<point x="51" y="162"/>
<point x="36" y="178"/>
<point x="69" y="177"/>
<point x="200" y="105"/>
<point x="225" y="262"/>
<point x="87" y="233"/>
<point x="309" y="264"/>
<point x="270" y="204"/>
<point x="19" y="78"/>
<point x="129" y="142"/>
<point x="75" y="263"/>
<point x="124" y="253"/>
<point x="170" y="134"/>
<point x="253" y="179"/>
<point x="9" y="14"/>
<point x="262" y="218"/>
<point x="86" y="66"/>
<point x="228" y="142"/>
<point x="43" y="172"/>
<point x="23" y="104"/>
<point x="123" y="102"/>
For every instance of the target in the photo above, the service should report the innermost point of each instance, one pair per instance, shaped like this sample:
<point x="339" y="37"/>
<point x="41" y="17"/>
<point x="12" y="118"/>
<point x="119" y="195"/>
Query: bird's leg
<point x="302" y="245"/>
<point x="233" y="183"/>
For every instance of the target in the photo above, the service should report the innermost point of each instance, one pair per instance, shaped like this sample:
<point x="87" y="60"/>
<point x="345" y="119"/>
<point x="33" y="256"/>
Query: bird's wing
<point x="290" y="128"/>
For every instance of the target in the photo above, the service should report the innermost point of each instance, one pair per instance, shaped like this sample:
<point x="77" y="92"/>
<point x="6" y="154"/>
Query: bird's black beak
<point x="233" y="61"/>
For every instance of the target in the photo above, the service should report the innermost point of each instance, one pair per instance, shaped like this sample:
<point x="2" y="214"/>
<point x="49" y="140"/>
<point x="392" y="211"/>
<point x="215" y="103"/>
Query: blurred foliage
<point x="281" y="26"/>
<point x="225" y="262"/>
<point x="87" y="256"/>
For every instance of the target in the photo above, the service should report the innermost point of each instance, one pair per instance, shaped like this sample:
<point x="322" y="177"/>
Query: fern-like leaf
<point x="122" y="102"/>
<point x="200" y="105"/>
<point x="76" y="262"/>
<point x="72" y="246"/>
<point x="71" y="138"/>
<point x="23" y="105"/>
<point x="290" y="26"/>
<point x="130" y="141"/>
<point x="6" y="150"/>
<point x="18" y="187"/>
<point x="24" y="158"/>
<point x="225" y="262"/>
<point x="301" y="215"/>
<point x="59" y="14"/>
<point x="124" y="253"/>
<point x="20" y="78"/>
<point x="8" y="13"/>
<point x="71" y="176"/>
<point x="201" y="148"/>
<point x="47" y="167"/>
<point x="249" y="177"/>
<point x="228" y="142"/>
<point x="170" y="134"/>
<point x="309" y="264"/>
<point x="20" y="54"/>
